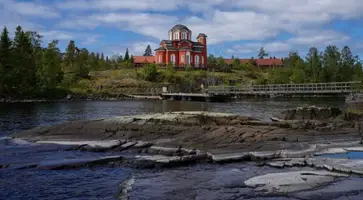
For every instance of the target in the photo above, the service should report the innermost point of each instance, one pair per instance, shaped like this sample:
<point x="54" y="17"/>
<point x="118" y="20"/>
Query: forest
<point x="330" y="65"/>
<point x="27" y="69"/>
<point x="30" y="69"/>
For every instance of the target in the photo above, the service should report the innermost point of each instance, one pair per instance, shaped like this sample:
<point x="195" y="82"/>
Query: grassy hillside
<point x="131" y="80"/>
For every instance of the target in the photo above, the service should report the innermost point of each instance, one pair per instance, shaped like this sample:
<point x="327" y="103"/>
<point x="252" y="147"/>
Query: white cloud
<point x="160" y="5"/>
<point x="135" y="48"/>
<point x="302" y="42"/>
<point x="258" y="22"/>
<point x="30" y="9"/>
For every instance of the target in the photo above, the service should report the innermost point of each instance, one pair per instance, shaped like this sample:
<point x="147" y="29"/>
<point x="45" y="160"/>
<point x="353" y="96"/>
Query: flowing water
<point x="193" y="182"/>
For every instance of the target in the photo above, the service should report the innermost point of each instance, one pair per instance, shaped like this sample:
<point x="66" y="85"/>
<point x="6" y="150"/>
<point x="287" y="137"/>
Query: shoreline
<point x="293" y="146"/>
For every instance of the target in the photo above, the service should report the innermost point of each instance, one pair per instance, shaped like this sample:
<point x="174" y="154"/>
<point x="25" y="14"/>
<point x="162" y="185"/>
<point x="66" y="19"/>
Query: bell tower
<point x="202" y="38"/>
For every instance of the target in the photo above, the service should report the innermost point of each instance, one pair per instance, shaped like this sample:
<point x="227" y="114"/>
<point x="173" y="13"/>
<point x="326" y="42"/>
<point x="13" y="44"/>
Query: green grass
<point x="126" y="80"/>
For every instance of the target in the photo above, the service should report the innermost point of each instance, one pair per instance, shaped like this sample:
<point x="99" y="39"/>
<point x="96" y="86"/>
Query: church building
<point x="180" y="50"/>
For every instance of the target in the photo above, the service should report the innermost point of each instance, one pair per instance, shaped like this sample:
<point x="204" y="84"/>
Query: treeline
<point x="331" y="65"/>
<point x="29" y="70"/>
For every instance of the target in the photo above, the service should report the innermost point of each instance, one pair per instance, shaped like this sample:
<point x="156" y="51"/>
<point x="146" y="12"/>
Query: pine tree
<point x="148" y="51"/>
<point x="84" y="66"/>
<point x="262" y="53"/>
<point x="313" y="64"/>
<point x="5" y="62"/>
<point x="126" y="57"/>
<point x="51" y="74"/>
<point x="347" y="65"/>
<point x="24" y="63"/>
<point x="331" y="63"/>
<point x="70" y="57"/>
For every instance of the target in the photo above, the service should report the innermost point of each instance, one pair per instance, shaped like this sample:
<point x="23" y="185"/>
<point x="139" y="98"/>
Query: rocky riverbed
<point x="291" y="141"/>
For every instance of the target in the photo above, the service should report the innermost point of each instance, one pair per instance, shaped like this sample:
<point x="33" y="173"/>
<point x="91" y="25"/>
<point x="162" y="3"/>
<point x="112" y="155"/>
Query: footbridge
<point x="307" y="89"/>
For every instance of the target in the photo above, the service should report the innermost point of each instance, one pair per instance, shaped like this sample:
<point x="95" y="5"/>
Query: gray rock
<point x="287" y="182"/>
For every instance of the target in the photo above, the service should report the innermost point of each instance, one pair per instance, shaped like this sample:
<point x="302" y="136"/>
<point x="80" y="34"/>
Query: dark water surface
<point x="206" y="182"/>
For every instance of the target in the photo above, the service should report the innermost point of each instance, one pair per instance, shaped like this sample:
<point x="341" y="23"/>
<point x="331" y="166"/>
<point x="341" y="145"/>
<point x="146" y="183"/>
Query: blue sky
<point x="234" y="27"/>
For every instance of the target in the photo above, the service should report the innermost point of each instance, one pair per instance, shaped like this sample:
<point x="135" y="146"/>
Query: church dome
<point x="180" y="27"/>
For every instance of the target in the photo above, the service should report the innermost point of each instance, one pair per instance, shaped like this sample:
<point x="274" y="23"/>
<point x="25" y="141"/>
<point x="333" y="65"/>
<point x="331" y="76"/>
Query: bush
<point x="150" y="72"/>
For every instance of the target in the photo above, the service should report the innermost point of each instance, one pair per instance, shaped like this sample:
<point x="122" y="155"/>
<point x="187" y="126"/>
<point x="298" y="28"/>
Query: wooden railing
<point x="308" y="88"/>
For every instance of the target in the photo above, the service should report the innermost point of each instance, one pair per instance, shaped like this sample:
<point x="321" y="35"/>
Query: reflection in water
<point x="18" y="116"/>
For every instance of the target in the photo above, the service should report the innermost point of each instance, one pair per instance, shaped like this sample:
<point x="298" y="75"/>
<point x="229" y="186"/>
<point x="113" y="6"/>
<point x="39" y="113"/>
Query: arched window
<point x="196" y="58"/>
<point x="160" y="59"/>
<point x="182" y="58"/>
<point x="184" y="36"/>
<point x="188" y="58"/>
<point x="176" y="36"/>
<point x="202" y="60"/>
<point x="172" y="58"/>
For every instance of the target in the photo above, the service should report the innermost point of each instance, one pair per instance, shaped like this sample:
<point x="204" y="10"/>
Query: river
<point x="193" y="182"/>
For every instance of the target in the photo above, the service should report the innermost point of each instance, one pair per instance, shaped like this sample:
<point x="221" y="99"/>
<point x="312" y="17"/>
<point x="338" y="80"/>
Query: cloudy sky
<point x="234" y="27"/>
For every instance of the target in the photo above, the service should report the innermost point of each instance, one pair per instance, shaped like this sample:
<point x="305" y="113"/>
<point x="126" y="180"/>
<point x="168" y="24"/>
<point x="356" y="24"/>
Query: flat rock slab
<point x="77" y="163"/>
<point x="340" y="165"/>
<point x="205" y="131"/>
<point x="287" y="182"/>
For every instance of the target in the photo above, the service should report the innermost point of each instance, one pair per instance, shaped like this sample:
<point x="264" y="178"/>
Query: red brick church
<point x="180" y="51"/>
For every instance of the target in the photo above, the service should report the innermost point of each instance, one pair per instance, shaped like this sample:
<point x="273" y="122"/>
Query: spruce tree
<point x="24" y="63"/>
<point x="127" y="56"/>
<point x="51" y="72"/>
<point x="70" y="57"/>
<point x="148" y="51"/>
<point x="5" y="62"/>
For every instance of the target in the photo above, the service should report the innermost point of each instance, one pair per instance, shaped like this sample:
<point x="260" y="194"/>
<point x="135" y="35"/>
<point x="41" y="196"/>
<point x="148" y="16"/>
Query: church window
<point x="182" y="59"/>
<point x="176" y="36"/>
<point x="188" y="58"/>
<point x="160" y="59"/>
<point x="202" y="60"/>
<point x="184" y="36"/>
<point x="196" y="60"/>
<point x="172" y="58"/>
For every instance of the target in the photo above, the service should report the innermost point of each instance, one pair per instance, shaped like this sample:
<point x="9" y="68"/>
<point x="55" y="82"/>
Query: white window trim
<point x="196" y="60"/>
<point x="188" y="58"/>
<point x="172" y="58"/>
<point x="182" y="58"/>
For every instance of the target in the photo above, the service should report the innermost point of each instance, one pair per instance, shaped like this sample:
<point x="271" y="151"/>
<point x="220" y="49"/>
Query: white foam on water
<point x="5" y="138"/>
<point x="21" y="142"/>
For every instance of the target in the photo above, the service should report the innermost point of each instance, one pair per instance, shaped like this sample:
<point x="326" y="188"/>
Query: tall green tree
<point x="51" y="73"/>
<point x="262" y="53"/>
<point x="6" y="69"/>
<point x="24" y="65"/>
<point x="331" y="63"/>
<point x="346" y="67"/>
<point x="127" y="56"/>
<point x="148" y="51"/>
<point x="83" y="63"/>
<point x="70" y="57"/>
<point x="313" y="65"/>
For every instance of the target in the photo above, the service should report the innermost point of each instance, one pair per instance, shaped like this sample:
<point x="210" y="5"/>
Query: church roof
<point x="144" y="59"/>
<point x="201" y="35"/>
<point x="160" y="48"/>
<point x="260" y="62"/>
<point x="180" y="27"/>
